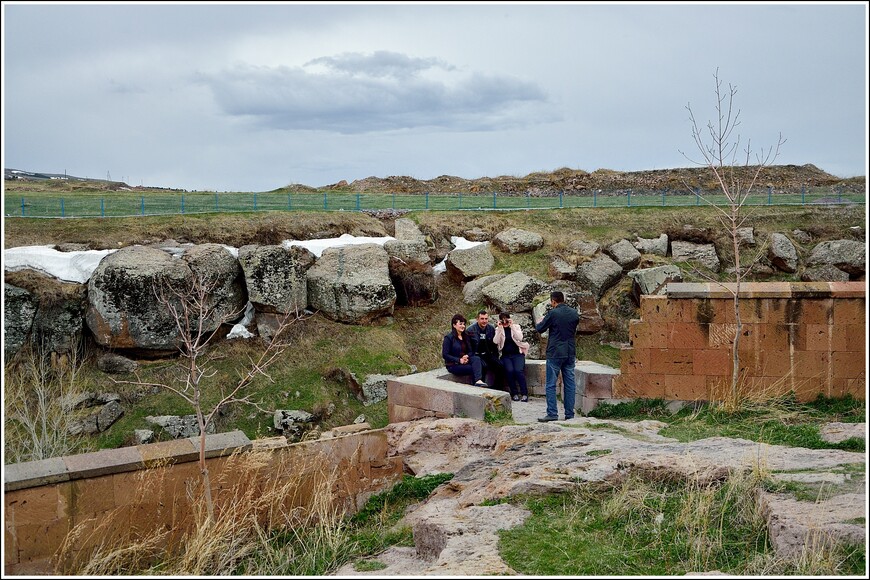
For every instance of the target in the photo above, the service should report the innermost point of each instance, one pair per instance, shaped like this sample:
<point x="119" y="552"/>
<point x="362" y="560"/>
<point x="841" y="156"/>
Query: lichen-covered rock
<point x="598" y="275"/>
<point x="470" y="263"/>
<point x="472" y="292"/>
<point x="124" y="310"/>
<point x="19" y="308"/>
<point x="704" y="254"/>
<point x="559" y="269"/>
<point x="408" y="230"/>
<point x="624" y="254"/>
<point x="411" y="272"/>
<point x="515" y="292"/>
<point x="276" y="277"/>
<point x="517" y="241"/>
<point x="352" y="284"/>
<point x="824" y="273"/>
<point x="222" y="275"/>
<point x="782" y="253"/>
<point x="653" y="280"/>
<point x="847" y="255"/>
<point x="657" y="246"/>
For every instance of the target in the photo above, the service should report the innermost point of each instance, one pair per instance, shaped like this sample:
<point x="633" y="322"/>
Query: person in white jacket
<point x="509" y="340"/>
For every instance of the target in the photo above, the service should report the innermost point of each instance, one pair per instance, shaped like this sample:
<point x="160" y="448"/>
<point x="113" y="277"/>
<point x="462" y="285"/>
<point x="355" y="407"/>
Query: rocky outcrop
<point x="411" y="272"/>
<point x="352" y="284"/>
<point x="598" y="275"/>
<point x="124" y="311"/>
<point x="782" y="253"/>
<point x="513" y="293"/>
<point x="222" y="275"/>
<point x="703" y="254"/>
<point x="275" y="277"/>
<point x="19" y="307"/>
<point x="464" y="265"/>
<point x="517" y="241"/>
<point x="624" y="254"/>
<point x="847" y="255"/>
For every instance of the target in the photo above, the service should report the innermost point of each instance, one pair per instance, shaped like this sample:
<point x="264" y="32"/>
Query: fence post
<point x="22" y="207"/>
<point x="594" y="198"/>
<point x="324" y="200"/>
<point x="460" y="200"/>
<point x="142" y="204"/>
<point x="769" y="191"/>
<point x="216" y="201"/>
<point x="663" y="197"/>
<point x="182" y="203"/>
<point x="427" y="200"/>
<point x="357" y="201"/>
<point x="255" y="201"/>
<point x="528" y="199"/>
<point x="61" y="208"/>
<point x="102" y="207"/>
<point x="560" y="199"/>
<point x="493" y="200"/>
<point x="697" y="196"/>
<point x="629" y="198"/>
<point x="394" y="200"/>
<point x="804" y="194"/>
<point x="840" y="194"/>
<point x="289" y="202"/>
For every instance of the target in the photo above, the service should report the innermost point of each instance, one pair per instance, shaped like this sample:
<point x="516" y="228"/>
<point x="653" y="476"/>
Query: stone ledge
<point x="450" y="398"/>
<point x="767" y="290"/>
<point x="29" y="474"/>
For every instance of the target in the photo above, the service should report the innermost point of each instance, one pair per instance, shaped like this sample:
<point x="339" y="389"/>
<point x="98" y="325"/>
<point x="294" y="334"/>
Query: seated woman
<point x="459" y="357"/>
<point x="509" y="340"/>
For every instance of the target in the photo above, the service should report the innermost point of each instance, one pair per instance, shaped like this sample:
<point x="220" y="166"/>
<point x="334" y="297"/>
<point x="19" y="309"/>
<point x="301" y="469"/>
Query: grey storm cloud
<point x="359" y="93"/>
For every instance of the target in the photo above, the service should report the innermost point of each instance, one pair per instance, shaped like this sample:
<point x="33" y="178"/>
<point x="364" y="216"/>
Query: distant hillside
<point x="788" y="178"/>
<point x="780" y="177"/>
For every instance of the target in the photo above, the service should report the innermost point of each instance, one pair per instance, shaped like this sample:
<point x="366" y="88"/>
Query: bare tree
<point x="193" y="310"/>
<point x="735" y="177"/>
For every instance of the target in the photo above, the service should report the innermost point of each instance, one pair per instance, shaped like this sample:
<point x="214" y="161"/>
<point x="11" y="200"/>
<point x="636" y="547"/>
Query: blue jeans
<point x="473" y="368"/>
<point x="564" y="365"/>
<point x="514" y="367"/>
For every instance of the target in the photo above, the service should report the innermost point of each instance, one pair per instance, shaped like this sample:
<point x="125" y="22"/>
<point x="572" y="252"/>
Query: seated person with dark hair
<point x="482" y="336"/>
<point x="458" y="353"/>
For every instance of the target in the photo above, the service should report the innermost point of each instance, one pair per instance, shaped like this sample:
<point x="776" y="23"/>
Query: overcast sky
<point x="254" y="97"/>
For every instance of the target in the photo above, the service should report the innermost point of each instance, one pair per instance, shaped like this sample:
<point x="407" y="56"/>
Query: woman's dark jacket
<point x="451" y="348"/>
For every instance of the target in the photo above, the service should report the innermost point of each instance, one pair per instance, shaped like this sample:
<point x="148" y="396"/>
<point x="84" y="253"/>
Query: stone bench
<point x="438" y="393"/>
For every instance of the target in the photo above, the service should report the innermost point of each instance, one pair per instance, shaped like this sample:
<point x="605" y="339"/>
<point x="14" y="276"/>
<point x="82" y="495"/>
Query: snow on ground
<point x="78" y="266"/>
<point x="67" y="266"/>
<point x="318" y="245"/>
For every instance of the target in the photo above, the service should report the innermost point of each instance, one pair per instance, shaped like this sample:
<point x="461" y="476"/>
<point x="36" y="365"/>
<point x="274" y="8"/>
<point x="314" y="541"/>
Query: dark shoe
<point x="524" y="398"/>
<point x="571" y="417"/>
<point x="515" y="398"/>
<point x="547" y="419"/>
<point x="481" y="384"/>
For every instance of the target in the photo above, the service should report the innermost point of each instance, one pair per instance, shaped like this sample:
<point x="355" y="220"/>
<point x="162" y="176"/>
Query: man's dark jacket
<point x="562" y="323"/>
<point x="486" y="335"/>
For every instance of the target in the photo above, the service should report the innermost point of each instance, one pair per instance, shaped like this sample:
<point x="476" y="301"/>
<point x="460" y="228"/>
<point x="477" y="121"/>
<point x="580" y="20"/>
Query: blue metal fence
<point x="126" y="205"/>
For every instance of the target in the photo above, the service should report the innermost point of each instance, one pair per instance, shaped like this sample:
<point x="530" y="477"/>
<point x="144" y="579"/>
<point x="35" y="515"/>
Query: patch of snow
<point x="66" y="266"/>
<point x="317" y="246"/>
<point x="459" y="243"/>
<point x="239" y="330"/>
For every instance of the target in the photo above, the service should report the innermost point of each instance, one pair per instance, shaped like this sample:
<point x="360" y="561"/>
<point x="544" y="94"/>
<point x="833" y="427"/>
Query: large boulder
<point x="782" y="253"/>
<point x="561" y="270"/>
<point x="591" y="320"/>
<point x="624" y="254"/>
<point x="657" y="246"/>
<point x="472" y="292"/>
<point x="513" y="293"/>
<point x="653" y="280"/>
<point x="517" y="241"/>
<point x="276" y="277"/>
<point x="824" y="273"/>
<point x="221" y="274"/>
<point x="408" y="231"/>
<point x="58" y="323"/>
<point x="411" y="272"/>
<point x="19" y="307"/>
<point x="124" y="310"/>
<point x="847" y="255"/>
<point x="470" y="263"/>
<point x="704" y="254"/>
<point x="352" y="284"/>
<point x="583" y="248"/>
<point x="598" y="274"/>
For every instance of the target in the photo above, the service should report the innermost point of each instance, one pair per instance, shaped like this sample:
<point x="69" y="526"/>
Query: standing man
<point x="562" y="322"/>
<point x="482" y="335"/>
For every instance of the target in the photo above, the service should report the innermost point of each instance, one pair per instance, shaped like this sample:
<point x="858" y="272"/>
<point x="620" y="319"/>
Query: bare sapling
<point x="197" y="321"/>
<point x="735" y="177"/>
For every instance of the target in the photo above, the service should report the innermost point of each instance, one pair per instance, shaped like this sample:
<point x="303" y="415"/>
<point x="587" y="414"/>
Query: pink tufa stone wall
<point x="806" y="337"/>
